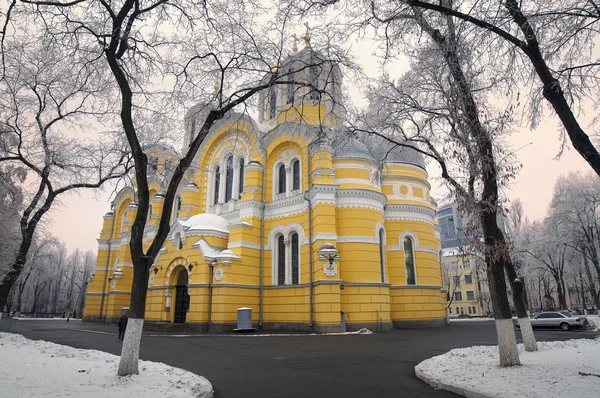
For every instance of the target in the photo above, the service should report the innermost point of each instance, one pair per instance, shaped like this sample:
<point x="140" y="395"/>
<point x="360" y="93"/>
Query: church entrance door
<point x="182" y="298"/>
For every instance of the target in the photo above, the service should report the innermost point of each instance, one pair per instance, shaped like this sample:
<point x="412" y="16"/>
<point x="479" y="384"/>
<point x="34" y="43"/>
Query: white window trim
<point x="289" y="178"/>
<point x="382" y="246"/>
<point x="287" y="238"/>
<point x="235" y="190"/>
<point x="414" y="260"/>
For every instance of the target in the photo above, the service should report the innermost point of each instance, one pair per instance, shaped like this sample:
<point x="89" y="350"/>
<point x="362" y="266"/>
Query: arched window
<point x="281" y="178"/>
<point x="152" y="165"/>
<point x="241" y="178"/>
<point x="280" y="260"/>
<point x="382" y="253"/>
<point x="295" y="259"/>
<point x="334" y="85"/>
<point x="167" y="167"/>
<point x="314" y="82"/>
<point x="409" y="262"/>
<point x="272" y="102"/>
<point x="124" y="219"/>
<point x="192" y="131"/>
<point x="176" y="207"/>
<point x="229" y="179"/>
<point x="290" y="87"/>
<point x="217" y="183"/>
<point x="296" y="175"/>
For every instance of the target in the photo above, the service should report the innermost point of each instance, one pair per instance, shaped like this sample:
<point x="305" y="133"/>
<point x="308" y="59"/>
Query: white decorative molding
<point x="322" y="193"/>
<point x="250" y="208"/>
<point x="233" y="245"/>
<point x="330" y="269"/>
<point x="286" y="207"/>
<point x="219" y="274"/>
<point x="360" y="198"/>
<point x="357" y="239"/>
<point x="394" y="212"/>
<point x="285" y="230"/>
<point x="329" y="237"/>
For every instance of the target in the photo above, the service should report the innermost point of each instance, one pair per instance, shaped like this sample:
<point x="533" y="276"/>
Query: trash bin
<point x="244" y="318"/>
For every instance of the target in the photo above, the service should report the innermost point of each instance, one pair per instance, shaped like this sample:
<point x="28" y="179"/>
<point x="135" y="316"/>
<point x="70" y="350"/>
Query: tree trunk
<point x="507" y="340"/>
<point x="518" y="291"/>
<point x="130" y="353"/>
<point x="15" y="270"/>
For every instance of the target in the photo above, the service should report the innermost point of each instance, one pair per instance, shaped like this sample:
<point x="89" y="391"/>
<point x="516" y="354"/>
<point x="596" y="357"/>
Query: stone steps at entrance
<point x="168" y="327"/>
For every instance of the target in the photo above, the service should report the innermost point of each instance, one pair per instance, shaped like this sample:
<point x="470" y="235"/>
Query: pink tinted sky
<point x="79" y="220"/>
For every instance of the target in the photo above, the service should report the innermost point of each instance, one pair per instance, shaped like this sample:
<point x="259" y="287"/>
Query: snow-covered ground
<point x="42" y="369"/>
<point x="559" y="369"/>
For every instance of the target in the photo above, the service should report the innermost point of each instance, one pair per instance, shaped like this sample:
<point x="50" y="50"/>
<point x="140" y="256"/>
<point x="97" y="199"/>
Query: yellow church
<point x="285" y="214"/>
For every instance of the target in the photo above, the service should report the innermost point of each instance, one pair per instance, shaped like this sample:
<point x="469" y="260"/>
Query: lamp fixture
<point x="190" y="267"/>
<point x="328" y="252"/>
<point x="155" y="270"/>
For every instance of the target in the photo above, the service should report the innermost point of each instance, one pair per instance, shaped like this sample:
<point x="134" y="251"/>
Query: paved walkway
<point x="377" y="365"/>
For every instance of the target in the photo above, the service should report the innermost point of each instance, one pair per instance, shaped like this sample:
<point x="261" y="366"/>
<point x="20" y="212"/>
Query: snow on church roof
<point x="206" y="221"/>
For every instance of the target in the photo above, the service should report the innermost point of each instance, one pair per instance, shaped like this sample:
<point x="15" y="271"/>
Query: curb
<point x="448" y="387"/>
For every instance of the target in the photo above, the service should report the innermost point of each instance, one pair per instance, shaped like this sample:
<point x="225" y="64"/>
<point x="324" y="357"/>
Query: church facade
<point x="261" y="200"/>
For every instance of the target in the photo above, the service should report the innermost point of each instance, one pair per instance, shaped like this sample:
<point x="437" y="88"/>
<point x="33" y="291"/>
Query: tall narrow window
<point x="176" y="207"/>
<point x="280" y="260"/>
<point x="273" y="101"/>
<point x="192" y="131"/>
<point x="382" y="254"/>
<point x="216" y="185"/>
<point x="149" y="214"/>
<point x="409" y="261"/>
<point x="281" y="178"/>
<point x="290" y="87"/>
<point x="241" y="178"/>
<point x="296" y="175"/>
<point x="295" y="259"/>
<point x="314" y="82"/>
<point x="229" y="179"/>
<point x="333" y="86"/>
<point x="152" y="165"/>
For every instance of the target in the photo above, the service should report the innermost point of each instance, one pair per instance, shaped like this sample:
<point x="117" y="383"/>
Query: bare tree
<point x="190" y="45"/>
<point x="43" y="96"/>
<point x="566" y="69"/>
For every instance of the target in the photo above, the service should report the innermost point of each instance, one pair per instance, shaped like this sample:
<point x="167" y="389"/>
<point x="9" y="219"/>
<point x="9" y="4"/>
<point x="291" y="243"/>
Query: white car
<point x="555" y="319"/>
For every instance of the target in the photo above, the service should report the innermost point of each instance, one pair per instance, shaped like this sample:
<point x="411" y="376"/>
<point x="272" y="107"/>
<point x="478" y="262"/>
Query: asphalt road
<point x="378" y="365"/>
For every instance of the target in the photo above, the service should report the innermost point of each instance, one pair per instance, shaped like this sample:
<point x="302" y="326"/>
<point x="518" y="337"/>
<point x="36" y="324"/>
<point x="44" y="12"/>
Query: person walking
<point x="122" y="325"/>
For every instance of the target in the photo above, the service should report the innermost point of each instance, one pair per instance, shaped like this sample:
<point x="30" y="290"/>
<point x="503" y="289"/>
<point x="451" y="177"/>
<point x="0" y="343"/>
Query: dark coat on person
<point x="122" y="322"/>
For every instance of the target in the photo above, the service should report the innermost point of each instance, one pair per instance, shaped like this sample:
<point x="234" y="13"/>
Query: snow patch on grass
<point x="43" y="369"/>
<point x="559" y="369"/>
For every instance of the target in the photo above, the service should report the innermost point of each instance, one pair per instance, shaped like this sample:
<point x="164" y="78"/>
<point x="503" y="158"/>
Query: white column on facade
<point x="222" y="182"/>
<point x="168" y="300"/>
<point x="288" y="179"/>
<point x="288" y="262"/>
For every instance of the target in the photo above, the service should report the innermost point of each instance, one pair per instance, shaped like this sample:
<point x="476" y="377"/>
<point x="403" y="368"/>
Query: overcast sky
<point x="78" y="220"/>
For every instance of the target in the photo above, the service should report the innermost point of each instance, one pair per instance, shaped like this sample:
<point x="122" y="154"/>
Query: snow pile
<point x="558" y="369"/>
<point x="595" y="319"/>
<point x="471" y="319"/>
<point x="42" y="369"/>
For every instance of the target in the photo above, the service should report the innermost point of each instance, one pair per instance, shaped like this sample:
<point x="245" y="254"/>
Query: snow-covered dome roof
<point x="205" y="221"/>
<point x="388" y="152"/>
<point x="351" y="148"/>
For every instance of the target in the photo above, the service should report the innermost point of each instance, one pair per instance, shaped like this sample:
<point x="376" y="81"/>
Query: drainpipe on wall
<point x="211" y="267"/>
<point x="262" y="241"/>
<point x="112" y="226"/>
<point x="310" y="249"/>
